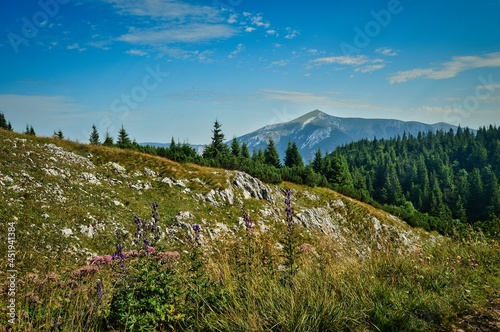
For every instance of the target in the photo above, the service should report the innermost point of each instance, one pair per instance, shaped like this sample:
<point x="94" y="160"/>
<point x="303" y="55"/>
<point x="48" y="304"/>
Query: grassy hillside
<point x="338" y="264"/>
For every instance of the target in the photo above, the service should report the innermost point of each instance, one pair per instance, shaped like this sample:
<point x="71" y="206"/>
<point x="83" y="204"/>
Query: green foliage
<point x="29" y="130"/>
<point x="271" y="156"/>
<point x="447" y="175"/>
<point x="217" y="148"/>
<point x="148" y="297"/>
<point x="292" y="156"/>
<point x="94" y="136"/>
<point x="108" y="140"/>
<point x="58" y="134"/>
<point x="4" y="124"/>
<point x="123" y="140"/>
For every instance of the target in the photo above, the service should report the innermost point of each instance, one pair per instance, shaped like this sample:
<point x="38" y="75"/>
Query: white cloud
<point x="249" y="29"/>
<point x="136" y="52"/>
<point x="387" y="51"/>
<point x="361" y="63"/>
<point x="257" y="21"/>
<point x="291" y="33"/>
<point x="165" y="9"/>
<point x="103" y="45"/>
<point x="369" y="68"/>
<point x="191" y="33"/>
<point x="77" y="47"/>
<point x="357" y="60"/>
<point x="449" y="69"/>
<point x="279" y="63"/>
<point x="232" y="18"/>
<point x="239" y="48"/>
<point x="272" y="32"/>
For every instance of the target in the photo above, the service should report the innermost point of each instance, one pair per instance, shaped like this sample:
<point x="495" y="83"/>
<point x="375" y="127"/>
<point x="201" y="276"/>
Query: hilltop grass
<point x="233" y="283"/>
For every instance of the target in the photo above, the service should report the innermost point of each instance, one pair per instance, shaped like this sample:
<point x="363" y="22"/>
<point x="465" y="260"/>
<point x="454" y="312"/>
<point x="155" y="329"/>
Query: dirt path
<point x="484" y="320"/>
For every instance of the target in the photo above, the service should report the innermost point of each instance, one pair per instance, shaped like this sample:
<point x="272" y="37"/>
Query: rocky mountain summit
<point x="318" y="130"/>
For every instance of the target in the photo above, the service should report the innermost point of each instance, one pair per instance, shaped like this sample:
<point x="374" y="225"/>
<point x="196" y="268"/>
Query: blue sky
<point x="169" y="68"/>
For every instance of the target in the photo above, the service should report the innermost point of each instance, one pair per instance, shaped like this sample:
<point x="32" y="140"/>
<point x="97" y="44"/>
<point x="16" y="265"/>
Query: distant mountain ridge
<point x="318" y="130"/>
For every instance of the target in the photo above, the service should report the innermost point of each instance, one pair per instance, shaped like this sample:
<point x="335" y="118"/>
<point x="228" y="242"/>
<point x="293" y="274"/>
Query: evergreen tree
<point x="244" y="151"/>
<point x="108" y="140"/>
<point x="475" y="202"/>
<point x="3" y="122"/>
<point x="258" y="157"/>
<point x="317" y="163"/>
<point x="292" y="156"/>
<point x="123" y="140"/>
<point x="271" y="156"/>
<point x="217" y="148"/>
<point x="58" y="134"/>
<point x="94" y="136"/>
<point x="235" y="148"/>
<point x="9" y="127"/>
<point x="30" y="130"/>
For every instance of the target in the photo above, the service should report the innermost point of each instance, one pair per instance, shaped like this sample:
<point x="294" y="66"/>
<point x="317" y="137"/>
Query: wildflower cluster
<point x="146" y="233"/>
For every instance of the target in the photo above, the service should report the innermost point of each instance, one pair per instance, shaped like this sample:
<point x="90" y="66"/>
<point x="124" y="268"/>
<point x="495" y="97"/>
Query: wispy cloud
<point x="291" y="33"/>
<point x="449" y="69"/>
<point x="165" y="9"/>
<point x="136" y="52"/>
<point x="239" y="48"/>
<point x="192" y="33"/>
<point x="387" y="51"/>
<point x="279" y="63"/>
<point x="361" y="63"/>
<point x="77" y="47"/>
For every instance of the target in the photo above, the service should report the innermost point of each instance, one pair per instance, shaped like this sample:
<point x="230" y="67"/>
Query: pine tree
<point x="3" y="122"/>
<point x="217" y="148"/>
<point x="30" y="130"/>
<point x="271" y="156"/>
<point x="94" y="136"/>
<point x="123" y="140"/>
<point x="108" y="140"/>
<point x="235" y="148"/>
<point x="244" y="151"/>
<point x="292" y="156"/>
<point x="317" y="163"/>
<point x="9" y="127"/>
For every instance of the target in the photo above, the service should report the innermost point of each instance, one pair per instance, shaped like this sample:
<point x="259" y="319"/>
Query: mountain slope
<point x="318" y="130"/>
<point x="68" y="200"/>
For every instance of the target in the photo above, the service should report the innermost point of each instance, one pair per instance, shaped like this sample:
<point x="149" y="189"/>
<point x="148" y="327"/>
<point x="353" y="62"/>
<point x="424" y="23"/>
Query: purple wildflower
<point x="197" y="231"/>
<point x="248" y="223"/>
<point x="99" y="289"/>
<point x="197" y="228"/>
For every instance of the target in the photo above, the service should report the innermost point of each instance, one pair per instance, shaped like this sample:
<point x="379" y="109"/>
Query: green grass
<point x="354" y="282"/>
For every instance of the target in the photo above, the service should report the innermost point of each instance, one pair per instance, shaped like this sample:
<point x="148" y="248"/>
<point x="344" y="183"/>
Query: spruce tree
<point x="317" y="163"/>
<point x="217" y="147"/>
<point x="3" y="122"/>
<point x="30" y="130"/>
<point x="94" y="136"/>
<point x="108" y="140"/>
<point x="271" y="156"/>
<point x="292" y="156"/>
<point x="244" y="151"/>
<point x="123" y="140"/>
<point x="235" y="148"/>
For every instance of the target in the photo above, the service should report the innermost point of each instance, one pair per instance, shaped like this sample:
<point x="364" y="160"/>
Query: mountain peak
<point x="308" y="117"/>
